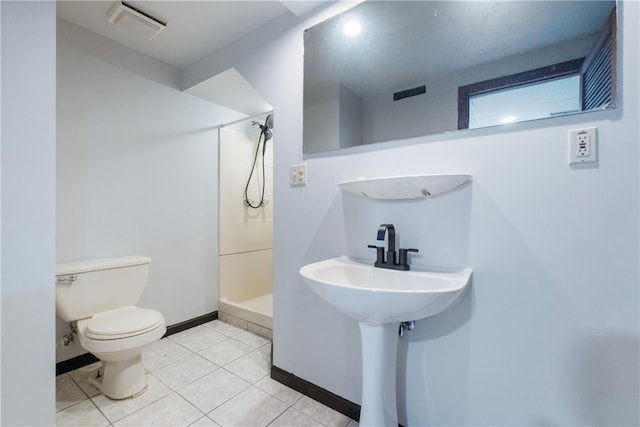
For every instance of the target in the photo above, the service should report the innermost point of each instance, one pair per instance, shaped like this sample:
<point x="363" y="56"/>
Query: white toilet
<point x="99" y="295"/>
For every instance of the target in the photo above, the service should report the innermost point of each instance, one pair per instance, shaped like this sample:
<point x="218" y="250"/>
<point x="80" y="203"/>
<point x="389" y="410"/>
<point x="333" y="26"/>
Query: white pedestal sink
<point x="380" y="299"/>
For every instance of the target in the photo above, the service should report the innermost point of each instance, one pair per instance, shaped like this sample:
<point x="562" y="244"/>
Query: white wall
<point x="28" y="210"/>
<point x="334" y="120"/>
<point x="137" y="173"/>
<point x="350" y="118"/>
<point x="548" y="334"/>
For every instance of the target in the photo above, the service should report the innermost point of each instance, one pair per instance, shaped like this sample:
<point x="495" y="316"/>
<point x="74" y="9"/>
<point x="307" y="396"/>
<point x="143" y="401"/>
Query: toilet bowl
<point x="99" y="296"/>
<point x="117" y="338"/>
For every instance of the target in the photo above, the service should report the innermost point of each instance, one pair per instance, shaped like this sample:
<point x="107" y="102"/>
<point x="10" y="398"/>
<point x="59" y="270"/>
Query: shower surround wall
<point x="246" y="234"/>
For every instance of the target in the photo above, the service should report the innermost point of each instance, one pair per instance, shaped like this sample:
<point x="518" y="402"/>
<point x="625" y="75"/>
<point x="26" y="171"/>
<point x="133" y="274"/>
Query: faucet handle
<point x="403" y="256"/>
<point x="379" y="253"/>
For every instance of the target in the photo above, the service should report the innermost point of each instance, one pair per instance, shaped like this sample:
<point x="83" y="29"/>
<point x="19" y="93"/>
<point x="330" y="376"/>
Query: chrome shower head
<point x="267" y="128"/>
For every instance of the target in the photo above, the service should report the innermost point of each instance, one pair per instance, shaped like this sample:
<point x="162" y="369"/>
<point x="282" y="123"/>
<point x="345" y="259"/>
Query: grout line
<point x="277" y="416"/>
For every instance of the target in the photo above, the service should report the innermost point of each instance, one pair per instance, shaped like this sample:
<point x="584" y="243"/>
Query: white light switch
<point x="298" y="175"/>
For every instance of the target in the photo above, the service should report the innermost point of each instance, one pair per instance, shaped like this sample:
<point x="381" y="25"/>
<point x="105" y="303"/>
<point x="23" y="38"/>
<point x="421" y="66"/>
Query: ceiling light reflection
<point x="352" y="28"/>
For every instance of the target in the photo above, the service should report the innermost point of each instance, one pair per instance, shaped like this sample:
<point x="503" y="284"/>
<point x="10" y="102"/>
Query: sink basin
<point x="380" y="299"/>
<point x="375" y="296"/>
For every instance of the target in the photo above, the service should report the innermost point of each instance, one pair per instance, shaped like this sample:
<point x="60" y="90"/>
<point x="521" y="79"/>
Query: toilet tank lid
<point x="76" y="267"/>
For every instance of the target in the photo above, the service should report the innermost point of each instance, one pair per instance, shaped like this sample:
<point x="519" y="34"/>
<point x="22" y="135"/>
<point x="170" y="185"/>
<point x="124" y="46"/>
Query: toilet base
<point x="123" y="379"/>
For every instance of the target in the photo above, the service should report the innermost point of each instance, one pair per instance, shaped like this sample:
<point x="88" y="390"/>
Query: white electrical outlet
<point x="298" y="175"/>
<point x="583" y="146"/>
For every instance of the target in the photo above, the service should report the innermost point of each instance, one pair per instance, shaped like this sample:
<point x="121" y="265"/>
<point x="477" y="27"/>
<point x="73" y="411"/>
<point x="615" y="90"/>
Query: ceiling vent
<point x="134" y="20"/>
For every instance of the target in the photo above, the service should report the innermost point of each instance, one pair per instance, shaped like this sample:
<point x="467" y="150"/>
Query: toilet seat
<point x="123" y="323"/>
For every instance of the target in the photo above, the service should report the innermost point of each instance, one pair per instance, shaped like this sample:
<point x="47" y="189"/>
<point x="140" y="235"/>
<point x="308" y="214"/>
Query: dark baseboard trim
<point x="191" y="323"/>
<point x="75" y="363"/>
<point x="88" y="358"/>
<point x="333" y="401"/>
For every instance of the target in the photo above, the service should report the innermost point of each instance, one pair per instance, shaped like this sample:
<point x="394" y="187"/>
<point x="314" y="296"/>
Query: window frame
<point x="538" y="75"/>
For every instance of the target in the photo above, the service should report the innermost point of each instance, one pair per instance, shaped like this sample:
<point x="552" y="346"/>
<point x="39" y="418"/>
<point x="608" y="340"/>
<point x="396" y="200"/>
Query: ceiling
<point x="194" y="28"/>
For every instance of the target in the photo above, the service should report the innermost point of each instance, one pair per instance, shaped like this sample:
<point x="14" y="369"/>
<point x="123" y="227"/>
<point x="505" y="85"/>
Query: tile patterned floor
<point x="215" y="374"/>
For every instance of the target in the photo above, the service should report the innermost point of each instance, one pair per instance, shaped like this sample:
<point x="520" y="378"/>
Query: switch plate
<point x="298" y="175"/>
<point x="583" y="146"/>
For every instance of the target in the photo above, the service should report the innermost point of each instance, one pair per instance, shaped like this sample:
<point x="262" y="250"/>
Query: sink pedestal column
<point x="379" y="348"/>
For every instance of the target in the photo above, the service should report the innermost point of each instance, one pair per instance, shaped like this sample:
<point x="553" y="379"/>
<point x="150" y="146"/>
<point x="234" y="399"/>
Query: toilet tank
<point x="84" y="288"/>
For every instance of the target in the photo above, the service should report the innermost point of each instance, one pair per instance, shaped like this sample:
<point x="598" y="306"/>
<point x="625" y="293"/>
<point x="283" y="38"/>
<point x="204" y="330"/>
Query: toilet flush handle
<point x="67" y="279"/>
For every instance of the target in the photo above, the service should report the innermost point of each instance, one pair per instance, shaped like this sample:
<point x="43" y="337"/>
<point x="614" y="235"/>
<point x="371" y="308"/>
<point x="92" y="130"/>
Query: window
<point x="577" y="85"/>
<point x="530" y="102"/>
<point x="529" y="95"/>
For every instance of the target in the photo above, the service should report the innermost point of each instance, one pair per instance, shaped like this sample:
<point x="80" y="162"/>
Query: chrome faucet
<point x="402" y="263"/>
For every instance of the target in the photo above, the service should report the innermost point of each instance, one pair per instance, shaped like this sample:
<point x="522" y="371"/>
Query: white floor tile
<point x="252" y="407"/>
<point x="294" y="418"/>
<point x="115" y="410"/>
<point x="198" y="341"/>
<point x="162" y="353"/>
<point x="213" y="390"/>
<point x="278" y="390"/>
<point x="225" y="328"/>
<point x="186" y="382"/>
<point x="67" y="392"/>
<point x="184" y="371"/>
<point x="187" y="332"/>
<point x="172" y="410"/>
<point x="321" y="413"/>
<point x="81" y="414"/>
<point x="254" y="340"/>
<point x="81" y="377"/>
<point x="266" y="348"/>
<point x="225" y="351"/>
<point x="204" y="422"/>
<point x="251" y="367"/>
